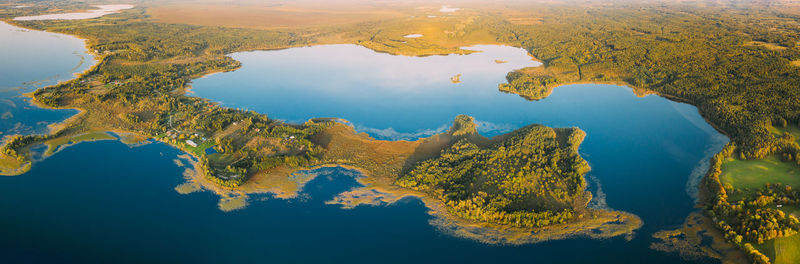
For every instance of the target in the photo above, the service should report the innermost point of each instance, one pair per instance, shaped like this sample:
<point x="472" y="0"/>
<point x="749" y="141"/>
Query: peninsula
<point x="736" y="61"/>
<point x="139" y="86"/>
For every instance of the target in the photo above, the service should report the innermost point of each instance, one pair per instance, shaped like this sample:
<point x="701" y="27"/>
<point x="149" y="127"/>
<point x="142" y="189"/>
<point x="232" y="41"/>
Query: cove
<point x="647" y="153"/>
<point x="31" y="60"/>
<point x="81" y="206"/>
<point x="108" y="202"/>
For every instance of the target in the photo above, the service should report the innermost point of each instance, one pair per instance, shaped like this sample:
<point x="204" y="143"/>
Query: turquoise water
<point x="108" y="202"/>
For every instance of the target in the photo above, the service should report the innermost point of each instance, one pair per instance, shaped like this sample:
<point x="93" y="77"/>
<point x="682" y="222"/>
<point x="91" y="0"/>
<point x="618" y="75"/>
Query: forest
<point x="751" y="220"/>
<point x="528" y="86"/>
<point x="703" y="56"/>
<point x="738" y="63"/>
<point x="139" y="85"/>
<point x="531" y="178"/>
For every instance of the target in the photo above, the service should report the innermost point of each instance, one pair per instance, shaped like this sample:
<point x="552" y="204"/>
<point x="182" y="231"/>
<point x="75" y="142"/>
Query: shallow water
<point x="31" y="60"/>
<point x="107" y="202"/>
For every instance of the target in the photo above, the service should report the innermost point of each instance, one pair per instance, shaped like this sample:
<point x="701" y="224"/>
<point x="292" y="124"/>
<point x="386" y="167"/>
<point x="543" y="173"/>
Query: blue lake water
<point x="107" y="202"/>
<point x="31" y="60"/>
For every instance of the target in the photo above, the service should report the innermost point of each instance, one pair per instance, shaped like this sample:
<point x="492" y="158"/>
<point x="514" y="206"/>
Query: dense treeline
<point x="738" y="65"/>
<point x="531" y="178"/>
<point x="753" y="219"/>
<point x="705" y="56"/>
<point x="137" y="86"/>
<point x="528" y="86"/>
<point x="38" y="7"/>
<point x="129" y="36"/>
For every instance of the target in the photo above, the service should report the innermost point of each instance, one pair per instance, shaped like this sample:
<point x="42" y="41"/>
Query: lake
<point x="108" y="202"/>
<point x="101" y="10"/>
<point x="31" y="61"/>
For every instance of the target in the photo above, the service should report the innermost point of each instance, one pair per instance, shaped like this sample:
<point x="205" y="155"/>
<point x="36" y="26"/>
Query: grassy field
<point x="791" y="210"/>
<point x="750" y="175"/>
<point x="785" y="250"/>
<point x="769" y="46"/>
<point x="778" y="131"/>
<point x="268" y="15"/>
<point x="200" y="150"/>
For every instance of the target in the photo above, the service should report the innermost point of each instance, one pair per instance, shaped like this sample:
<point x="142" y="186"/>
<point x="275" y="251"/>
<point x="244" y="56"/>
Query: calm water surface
<point x="29" y="60"/>
<point x="86" y="205"/>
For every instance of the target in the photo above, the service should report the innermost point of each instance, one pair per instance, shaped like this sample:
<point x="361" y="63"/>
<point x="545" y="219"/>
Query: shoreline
<point x="188" y="87"/>
<point x="598" y="224"/>
<point x="53" y="128"/>
<point x="75" y="75"/>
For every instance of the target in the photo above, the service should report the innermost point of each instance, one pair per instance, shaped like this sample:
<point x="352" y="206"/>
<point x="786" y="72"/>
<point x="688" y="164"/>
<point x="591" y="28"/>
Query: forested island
<point x="737" y="62"/>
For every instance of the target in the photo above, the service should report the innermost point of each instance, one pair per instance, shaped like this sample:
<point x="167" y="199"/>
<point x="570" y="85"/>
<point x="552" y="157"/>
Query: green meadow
<point x="784" y="250"/>
<point x="751" y="175"/>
